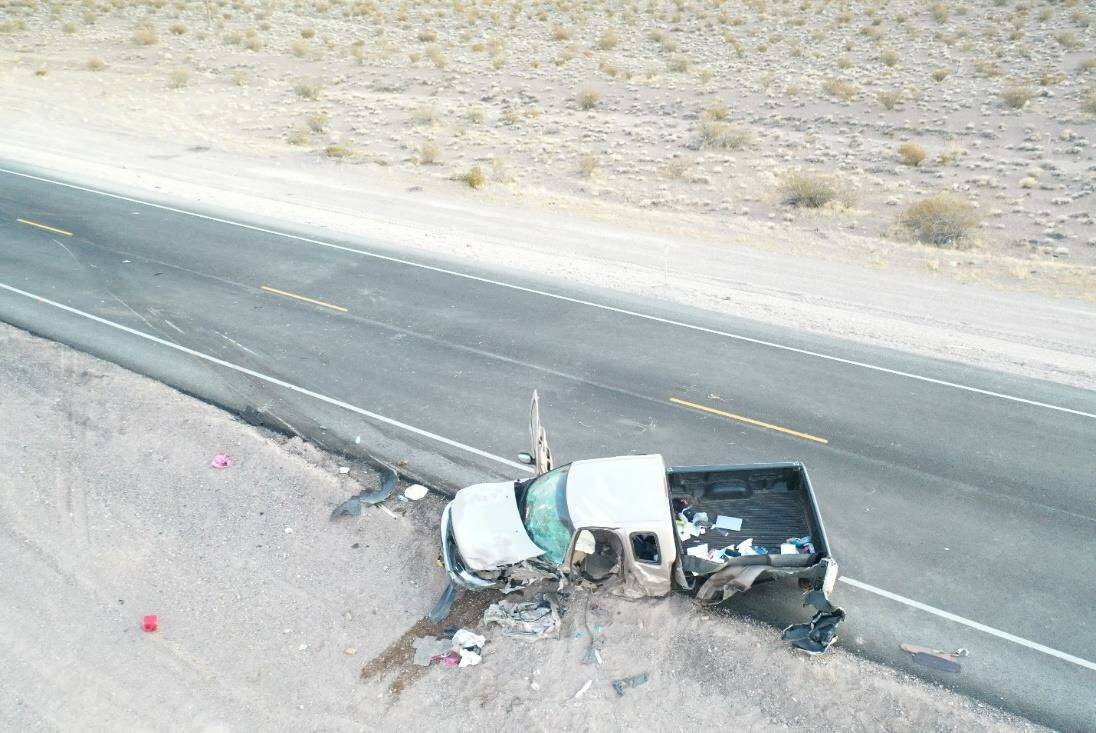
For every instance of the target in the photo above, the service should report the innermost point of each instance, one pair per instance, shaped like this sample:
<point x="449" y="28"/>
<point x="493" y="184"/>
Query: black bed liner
<point x="775" y="502"/>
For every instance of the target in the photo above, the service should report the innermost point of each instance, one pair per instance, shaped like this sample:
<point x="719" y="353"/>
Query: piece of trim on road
<point x="269" y="379"/>
<point x="750" y="421"/>
<point x="304" y="298"/>
<point x="513" y="464"/>
<point x="569" y="299"/>
<point x="968" y="622"/>
<point x="48" y="228"/>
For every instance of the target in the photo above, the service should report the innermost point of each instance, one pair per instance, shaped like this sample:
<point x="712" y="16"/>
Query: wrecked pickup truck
<point x="646" y="528"/>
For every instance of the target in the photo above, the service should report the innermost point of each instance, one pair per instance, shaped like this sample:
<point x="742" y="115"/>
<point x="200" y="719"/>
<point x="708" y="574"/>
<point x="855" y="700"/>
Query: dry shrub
<point x="308" y="32"/>
<point x="1088" y="102"/>
<point x="559" y="33"/>
<point x="96" y="64"/>
<point x="177" y="28"/>
<point x="1067" y="40"/>
<point x="425" y="115"/>
<point x="588" y="98"/>
<point x="844" y="62"/>
<point x="889" y="57"/>
<point x="429" y="153"/>
<point x="145" y="36"/>
<point x="841" y="89"/>
<point x="427" y="36"/>
<point x="307" y="88"/>
<point x="474" y="178"/>
<point x="717" y="110"/>
<point x="587" y="166"/>
<point x="300" y="48"/>
<point x="807" y="190"/>
<point x="940" y="74"/>
<point x="436" y="56"/>
<point x="317" y="121"/>
<point x="68" y="28"/>
<point x="678" y="167"/>
<point x="1017" y="96"/>
<point x="178" y="78"/>
<point x="341" y="149"/>
<point x="721" y="135"/>
<point x="678" y="63"/>
<point x="911" y="153"/>
<point x="241" y="77"/>
<point x="298" y="136"/>
<point x="41" y="71"/>
<point x="943" y="220"/>
<point x="608" y="40"/>
<point x="890" y="98"/>
<point x="254" y="43"/>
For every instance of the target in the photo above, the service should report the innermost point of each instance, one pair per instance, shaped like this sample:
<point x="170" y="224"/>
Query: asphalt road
<point x="959" y="501"/>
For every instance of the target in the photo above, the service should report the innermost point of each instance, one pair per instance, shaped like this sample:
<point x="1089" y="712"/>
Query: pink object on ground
<point x="150" y="622"/>
<point x="221" y="460"/>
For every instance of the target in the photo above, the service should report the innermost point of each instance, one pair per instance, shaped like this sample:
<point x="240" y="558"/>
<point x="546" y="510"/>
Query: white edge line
<point x="968" y="622"/>
<point x="271" y="380"/>
<point x="513" y="464"/>
<point x="568" y="299"/>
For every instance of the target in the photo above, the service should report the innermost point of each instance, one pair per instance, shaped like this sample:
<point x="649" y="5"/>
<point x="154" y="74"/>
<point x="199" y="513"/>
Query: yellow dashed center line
<point x="43" y="226"/>
<point x="750" y="421"/>
<point x="304" y="298"/>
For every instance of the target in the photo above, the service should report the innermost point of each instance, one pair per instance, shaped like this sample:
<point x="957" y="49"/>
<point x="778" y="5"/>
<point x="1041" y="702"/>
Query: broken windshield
<point x="545" y="515"/>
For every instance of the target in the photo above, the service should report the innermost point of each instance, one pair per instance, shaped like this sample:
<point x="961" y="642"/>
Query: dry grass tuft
<point x="911" y="153"/>
<point x="939" y="75"/>
<point x="96" y="64"/>
<point x="429" y="153"/>
<point x="178" y="78"/>
<point x="943" y="220"/>
<point x="425" y="115"/>
<point x="339" y="150"/>
<point x="145" y="35"/>
<point x="723" y="136"/>
<point x="588" y="97"/>
<point x="1017" y="96"/>
<point x="474" y="178"/>
<point x="889" y="57"/>
<point x="678" y="63"/>
<point x="298" y="136"/>
<point x="1088" y="102"/>
<point x="841" y="89"/>
<point x="890" y="98"/>
<point x="807" y="190"/>
<point x="717" y="110"/>
<point x="436" y="56"/>
<point x="608" y="40"/>
<point x="317" y="121"/>
<point x="427" y="36"/>
<point x="177" y="28"/>
<point x="307" y="88"/>
<point x="41" y="71"/>
<point x="241" y="77"/>
<point x="587" y="166"/>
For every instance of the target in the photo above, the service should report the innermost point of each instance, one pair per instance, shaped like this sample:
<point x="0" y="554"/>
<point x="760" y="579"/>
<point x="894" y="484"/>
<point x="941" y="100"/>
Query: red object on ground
<point x="150" y="622"/>
<point x="221" y="460"/>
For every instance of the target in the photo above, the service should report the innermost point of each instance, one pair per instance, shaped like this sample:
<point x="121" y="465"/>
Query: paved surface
<point x="966" y="492"/>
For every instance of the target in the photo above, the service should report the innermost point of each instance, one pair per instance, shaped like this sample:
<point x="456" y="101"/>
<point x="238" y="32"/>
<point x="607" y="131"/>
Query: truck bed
<point x="774" y="501"/>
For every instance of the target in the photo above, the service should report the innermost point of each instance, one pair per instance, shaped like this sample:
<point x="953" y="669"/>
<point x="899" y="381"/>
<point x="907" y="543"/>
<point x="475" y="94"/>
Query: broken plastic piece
<point x="441" y="609"/>
<point x="936" y="658"/>
<point x="352" y="507"/>
<point x="150" y="623"/>
<point x="700" y="550"/>
<point x="414" y="492"/>
<point x="583" y="690"/>
<point x="817" y="635"/>
<point x="634" y="681"/>
<point x="221" y="460"/>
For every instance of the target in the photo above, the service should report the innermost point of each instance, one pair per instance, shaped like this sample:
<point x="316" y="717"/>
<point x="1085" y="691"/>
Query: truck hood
<point x="488" y="529"/>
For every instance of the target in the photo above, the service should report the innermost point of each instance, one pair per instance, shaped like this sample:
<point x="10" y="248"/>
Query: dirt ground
<point x="274" y="618"/>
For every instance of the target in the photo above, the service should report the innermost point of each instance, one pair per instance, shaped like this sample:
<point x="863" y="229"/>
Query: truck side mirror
<point x="526" y="458"/>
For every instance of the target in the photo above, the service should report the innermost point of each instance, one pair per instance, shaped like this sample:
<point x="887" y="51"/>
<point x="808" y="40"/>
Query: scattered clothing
<point x="531" y="620"/>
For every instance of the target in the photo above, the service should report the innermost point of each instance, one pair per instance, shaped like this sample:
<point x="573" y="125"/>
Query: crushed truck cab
<point x="647" y="529"/>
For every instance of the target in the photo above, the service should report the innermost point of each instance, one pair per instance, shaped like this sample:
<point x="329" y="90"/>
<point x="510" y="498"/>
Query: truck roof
<point x="618" y="492"/>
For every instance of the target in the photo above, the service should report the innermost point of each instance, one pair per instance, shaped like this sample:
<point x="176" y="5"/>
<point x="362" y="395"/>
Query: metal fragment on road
<point x="634" y="681"/>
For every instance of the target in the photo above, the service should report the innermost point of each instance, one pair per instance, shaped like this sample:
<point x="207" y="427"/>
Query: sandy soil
<point x="206" y="103"/>
<point x="269" y="612"/>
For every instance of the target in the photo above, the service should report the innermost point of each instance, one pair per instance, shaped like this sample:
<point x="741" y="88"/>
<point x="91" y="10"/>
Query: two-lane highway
<point x="959" y="501"/>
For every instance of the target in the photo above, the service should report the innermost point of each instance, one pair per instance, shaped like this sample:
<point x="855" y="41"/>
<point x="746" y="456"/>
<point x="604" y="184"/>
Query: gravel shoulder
<point x="109" y="510"/>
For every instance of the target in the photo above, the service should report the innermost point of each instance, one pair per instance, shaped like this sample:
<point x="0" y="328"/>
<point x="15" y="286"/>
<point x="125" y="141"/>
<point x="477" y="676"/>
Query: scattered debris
<point x="221" y="460"/>
<point x="582" y="691"/>
<point x="816" y="636"/>
<point x="344" y="470"/>
<point x="414" y="492"/>
<point x="462" y="650"/>
<point x="634" y="681"/>
<point x="441" y="609"/>
<point x="732" y="523"/>
<point x="350" y="651"/>
<point x="531" y="620"/>
<point x="352" y="507"/>
<point x="936" y="658"/>
<point x="150" y="623"/>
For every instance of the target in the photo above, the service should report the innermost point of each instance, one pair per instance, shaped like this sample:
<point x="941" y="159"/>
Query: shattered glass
<point x="546" y="517"/>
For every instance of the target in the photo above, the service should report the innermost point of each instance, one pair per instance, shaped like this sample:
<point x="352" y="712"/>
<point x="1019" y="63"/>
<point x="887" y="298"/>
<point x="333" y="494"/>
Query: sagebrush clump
<point x="911" y="153"/>
<point x="723" y="136"/>
<point x="807" y="190"/>
<point x="943" y="220"/>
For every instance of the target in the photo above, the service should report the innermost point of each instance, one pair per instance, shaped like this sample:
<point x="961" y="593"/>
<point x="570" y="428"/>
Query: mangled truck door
<point x="541" y="456"/>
